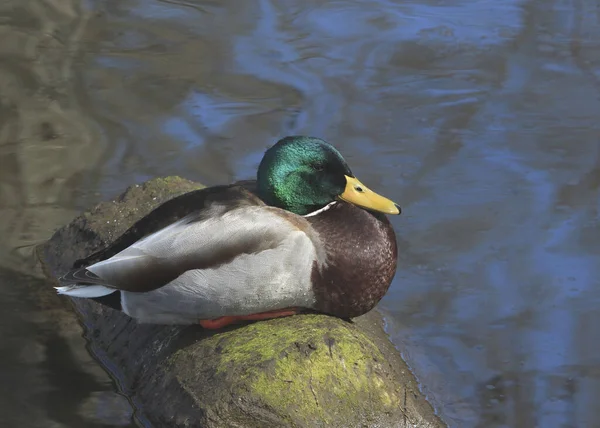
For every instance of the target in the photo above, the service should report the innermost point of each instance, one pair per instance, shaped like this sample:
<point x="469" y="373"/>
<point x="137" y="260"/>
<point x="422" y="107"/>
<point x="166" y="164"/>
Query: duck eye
<point x="319" y="168"/>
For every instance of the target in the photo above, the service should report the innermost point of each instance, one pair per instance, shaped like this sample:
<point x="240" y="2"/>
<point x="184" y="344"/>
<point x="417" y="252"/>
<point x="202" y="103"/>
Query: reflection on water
<point x="480" y="117"/>
<point x="49" y="378"/>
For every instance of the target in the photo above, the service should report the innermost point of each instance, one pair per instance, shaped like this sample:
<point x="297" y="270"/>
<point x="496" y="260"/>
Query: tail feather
<point x="81" y="276"/>
<point x="87" y="291"/>
<point x="83" y="283"/>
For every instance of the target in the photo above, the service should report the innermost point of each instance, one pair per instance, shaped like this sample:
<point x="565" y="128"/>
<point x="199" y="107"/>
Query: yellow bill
<point x="358" y="194"/>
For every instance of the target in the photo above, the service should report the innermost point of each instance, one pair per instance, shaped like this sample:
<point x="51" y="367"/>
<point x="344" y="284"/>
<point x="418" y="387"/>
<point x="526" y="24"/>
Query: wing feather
<point x="191" y="244"/>
<point x="208" y="232"/>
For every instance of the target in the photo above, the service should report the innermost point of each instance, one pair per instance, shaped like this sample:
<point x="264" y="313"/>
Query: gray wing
<point x="196" y="204"/>
<point x="210" y="243"/>
<point x="275" y="274"/>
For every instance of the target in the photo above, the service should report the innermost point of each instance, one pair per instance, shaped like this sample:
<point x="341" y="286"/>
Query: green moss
<point x="307" y="368"/>
<point x="174" y="180"/>
<point x="168" y="187"/>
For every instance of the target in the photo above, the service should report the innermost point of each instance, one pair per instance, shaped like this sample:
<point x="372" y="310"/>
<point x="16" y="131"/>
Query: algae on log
<point x="300" y="371"/>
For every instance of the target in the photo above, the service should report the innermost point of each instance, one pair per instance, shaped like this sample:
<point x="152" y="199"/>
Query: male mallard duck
<point x="296" y="239"/>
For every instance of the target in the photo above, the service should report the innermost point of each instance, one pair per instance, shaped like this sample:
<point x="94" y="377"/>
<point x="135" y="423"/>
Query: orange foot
<point x="225" y="321"/>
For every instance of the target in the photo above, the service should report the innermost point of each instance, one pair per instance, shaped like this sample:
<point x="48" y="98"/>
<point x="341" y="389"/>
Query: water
<point x="480" y="118"/>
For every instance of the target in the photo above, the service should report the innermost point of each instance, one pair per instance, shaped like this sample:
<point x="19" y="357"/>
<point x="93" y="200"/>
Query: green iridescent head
<point x="303" y="174"/>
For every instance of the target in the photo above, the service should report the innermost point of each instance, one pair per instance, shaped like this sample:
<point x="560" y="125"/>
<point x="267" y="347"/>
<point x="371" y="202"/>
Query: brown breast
<point x="362" y="258"/>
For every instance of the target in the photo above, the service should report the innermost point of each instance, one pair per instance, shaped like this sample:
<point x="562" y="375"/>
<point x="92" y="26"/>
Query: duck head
<point x="304" y="174"/>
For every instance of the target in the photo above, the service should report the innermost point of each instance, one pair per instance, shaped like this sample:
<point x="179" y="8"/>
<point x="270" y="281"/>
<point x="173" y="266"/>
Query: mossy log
<point x="300" y="371"/>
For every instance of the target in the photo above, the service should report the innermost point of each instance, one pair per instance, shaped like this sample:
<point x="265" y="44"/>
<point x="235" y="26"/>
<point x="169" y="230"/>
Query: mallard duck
<point x="306" y="235"/>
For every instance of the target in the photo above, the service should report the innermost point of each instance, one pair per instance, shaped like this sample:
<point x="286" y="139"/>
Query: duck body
<point x="223" y="253"/>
